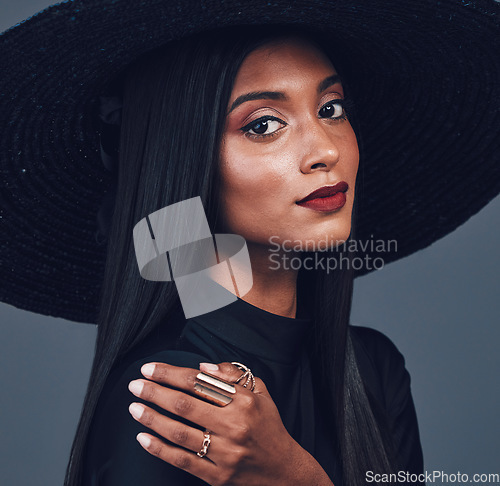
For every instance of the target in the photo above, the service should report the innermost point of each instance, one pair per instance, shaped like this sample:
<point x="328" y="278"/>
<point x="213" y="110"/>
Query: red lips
<point x="327" y="198"/>
<point x="326" y="191"/>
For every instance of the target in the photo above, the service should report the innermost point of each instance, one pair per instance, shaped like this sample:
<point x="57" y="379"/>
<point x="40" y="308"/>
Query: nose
<point x="322" y="149"/>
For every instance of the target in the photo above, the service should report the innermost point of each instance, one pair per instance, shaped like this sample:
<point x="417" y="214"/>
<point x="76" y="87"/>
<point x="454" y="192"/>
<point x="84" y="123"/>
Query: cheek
<point x="252" y="183"/>
<point x="248" y="175"/>
<point x="238" y="187"/>
<point x="350" y="152"/>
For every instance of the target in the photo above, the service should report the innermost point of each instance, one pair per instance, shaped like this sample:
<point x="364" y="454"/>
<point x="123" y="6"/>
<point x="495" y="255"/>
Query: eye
<point x="334" y="110"/>
<point x="265" y="126"/>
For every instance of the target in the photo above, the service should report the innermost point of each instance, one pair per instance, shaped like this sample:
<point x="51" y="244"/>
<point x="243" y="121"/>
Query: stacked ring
<point x="218" y="391"/>
<point x="247" y="373"/>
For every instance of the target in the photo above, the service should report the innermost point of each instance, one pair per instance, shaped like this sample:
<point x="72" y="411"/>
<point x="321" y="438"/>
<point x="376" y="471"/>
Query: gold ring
<point x="214" y="389"/>
<point x="206" y="443"/>
<point x="247" y="374"/>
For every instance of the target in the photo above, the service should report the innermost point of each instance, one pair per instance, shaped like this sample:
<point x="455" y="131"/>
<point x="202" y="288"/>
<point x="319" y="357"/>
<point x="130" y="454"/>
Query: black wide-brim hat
<point x="426" y="86"/>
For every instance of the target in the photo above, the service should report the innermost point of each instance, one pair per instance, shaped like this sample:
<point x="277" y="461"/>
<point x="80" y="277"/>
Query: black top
<point x="272" y="347"/>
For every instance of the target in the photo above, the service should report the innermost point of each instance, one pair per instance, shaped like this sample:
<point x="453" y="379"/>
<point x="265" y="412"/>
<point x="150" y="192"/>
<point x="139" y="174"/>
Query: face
<point x="287" y="136"/>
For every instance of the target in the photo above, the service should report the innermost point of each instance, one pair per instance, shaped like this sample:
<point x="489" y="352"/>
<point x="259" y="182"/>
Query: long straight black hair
<point x="174" y="109"/>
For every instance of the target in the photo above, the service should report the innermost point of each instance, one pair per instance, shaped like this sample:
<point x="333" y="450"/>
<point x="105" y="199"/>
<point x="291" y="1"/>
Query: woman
<point x="259" y="196"/>
<point x="131" y="314"/>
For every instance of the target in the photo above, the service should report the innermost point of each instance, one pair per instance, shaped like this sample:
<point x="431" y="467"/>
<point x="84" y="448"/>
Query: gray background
<point x="440" y="306"/>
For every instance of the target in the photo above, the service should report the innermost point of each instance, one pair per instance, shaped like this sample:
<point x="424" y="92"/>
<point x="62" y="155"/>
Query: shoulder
<point x="113" y="455"/>
<point x="118" y="380"/>
<point x="374" y="343"/>
<point x="383" y="371"/>
<point x="382" y="366"/>
<point x="116" y="396"/>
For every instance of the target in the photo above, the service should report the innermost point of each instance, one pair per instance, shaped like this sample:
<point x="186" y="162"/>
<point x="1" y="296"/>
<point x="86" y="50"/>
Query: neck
<point x="274" y="288"/>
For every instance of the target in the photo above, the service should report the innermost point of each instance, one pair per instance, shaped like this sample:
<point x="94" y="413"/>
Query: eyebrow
<point x="278" y="95"/>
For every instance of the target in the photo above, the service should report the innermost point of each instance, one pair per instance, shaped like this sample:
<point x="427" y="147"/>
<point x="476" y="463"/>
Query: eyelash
<point x="344" y="103"/>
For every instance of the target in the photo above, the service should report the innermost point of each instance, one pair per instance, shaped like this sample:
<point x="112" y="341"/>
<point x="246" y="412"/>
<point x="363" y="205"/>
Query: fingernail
<point x="144" y="440"/>
<point x="148" y="370"/>
<point x="136" y="387"/>
<point x="136" y="409"/>
<point x="208" y="367"/>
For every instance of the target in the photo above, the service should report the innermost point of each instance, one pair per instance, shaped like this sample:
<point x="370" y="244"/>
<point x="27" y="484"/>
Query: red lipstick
<point x="327" y="198"/>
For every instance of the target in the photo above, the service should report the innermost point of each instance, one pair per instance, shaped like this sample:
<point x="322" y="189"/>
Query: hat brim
<point x="424" y="76"/>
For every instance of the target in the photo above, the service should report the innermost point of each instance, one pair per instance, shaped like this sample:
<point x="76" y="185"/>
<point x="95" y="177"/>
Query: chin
<point x="329" y="237"/>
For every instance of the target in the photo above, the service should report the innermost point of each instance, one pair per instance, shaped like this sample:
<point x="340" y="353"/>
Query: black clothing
<point x="272" y="347"/>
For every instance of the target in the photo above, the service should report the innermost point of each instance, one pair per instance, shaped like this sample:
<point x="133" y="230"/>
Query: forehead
<point x="283" y="62"/>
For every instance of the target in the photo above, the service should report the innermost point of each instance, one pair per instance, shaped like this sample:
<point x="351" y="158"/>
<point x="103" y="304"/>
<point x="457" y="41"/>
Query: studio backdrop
<point x="440" y="306"/>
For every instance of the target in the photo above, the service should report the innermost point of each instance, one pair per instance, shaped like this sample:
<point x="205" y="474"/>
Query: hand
<point x="249" y="443"/>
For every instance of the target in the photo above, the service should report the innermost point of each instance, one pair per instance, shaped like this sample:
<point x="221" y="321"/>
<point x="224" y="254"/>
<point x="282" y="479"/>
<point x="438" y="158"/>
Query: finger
<point x="176" y="376"/>
<point x="179" y="403"/>
<point x="176" y="432"/>
<point x="230" y="372"/>
<point x="185" y="378"/>
<point x="180" y="458"/>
